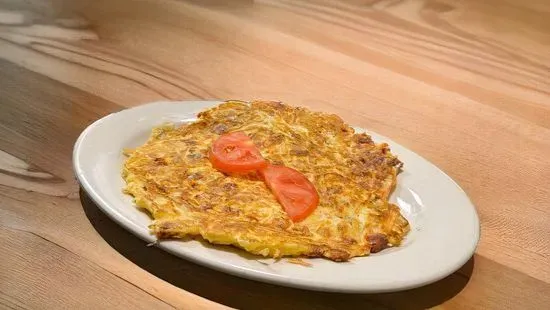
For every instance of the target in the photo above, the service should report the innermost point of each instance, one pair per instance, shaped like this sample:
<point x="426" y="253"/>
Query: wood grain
<point x="466" y="84"/>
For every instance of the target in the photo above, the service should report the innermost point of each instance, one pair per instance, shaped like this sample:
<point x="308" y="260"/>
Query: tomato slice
<point x="236" y="153"/>
<point x="292" y="189"/>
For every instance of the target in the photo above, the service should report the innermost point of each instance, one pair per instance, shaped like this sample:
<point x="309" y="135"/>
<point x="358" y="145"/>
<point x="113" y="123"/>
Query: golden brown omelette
<point x="171" y="177"/>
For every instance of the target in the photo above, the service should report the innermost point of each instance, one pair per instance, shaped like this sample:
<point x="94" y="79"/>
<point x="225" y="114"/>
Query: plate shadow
<point x="241" y="293"/>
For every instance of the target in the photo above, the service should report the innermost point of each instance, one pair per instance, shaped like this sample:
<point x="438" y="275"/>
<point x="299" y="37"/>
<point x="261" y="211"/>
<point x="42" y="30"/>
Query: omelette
<point x="171" y="177"/>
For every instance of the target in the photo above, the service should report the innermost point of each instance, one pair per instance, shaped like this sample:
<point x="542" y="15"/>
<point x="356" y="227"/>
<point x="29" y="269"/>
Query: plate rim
<point x="251" y="274"/>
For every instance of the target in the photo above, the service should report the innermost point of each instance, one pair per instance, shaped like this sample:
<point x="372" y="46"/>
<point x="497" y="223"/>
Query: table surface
<point x="466" y="84"/>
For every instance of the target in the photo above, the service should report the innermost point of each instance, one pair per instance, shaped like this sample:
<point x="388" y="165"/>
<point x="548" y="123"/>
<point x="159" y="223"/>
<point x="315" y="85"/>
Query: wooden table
<point x="466" y="84"/>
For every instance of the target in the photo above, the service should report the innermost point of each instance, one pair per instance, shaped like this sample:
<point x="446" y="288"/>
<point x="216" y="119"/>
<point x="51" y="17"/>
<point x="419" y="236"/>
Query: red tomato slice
<point x="235" y="153"/>
<point x="292" y="189"/>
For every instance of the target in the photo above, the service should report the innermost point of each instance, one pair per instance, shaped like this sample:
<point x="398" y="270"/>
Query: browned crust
<point x="351" y="173"/>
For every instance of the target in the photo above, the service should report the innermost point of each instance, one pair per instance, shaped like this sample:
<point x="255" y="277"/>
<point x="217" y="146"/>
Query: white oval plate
<point x="444" y="223"/>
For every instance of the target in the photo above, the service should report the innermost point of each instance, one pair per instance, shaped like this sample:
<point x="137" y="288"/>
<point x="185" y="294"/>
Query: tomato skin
<point x="292" y="189"/>
<point x="235" y="153"/>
